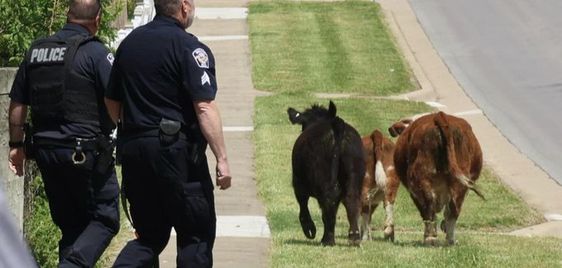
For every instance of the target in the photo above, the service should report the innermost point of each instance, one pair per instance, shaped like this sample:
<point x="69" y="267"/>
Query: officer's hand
<point x="16" y="159"/>
<point x="223" y="175"/>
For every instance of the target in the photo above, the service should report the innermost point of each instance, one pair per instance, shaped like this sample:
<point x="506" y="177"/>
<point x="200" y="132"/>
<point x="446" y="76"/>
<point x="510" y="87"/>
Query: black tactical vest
<point x="59" y="94"/>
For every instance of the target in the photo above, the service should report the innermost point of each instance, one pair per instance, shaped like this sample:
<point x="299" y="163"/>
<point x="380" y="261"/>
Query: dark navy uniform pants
<point x="83" y="204"/>
<point x="165" y="189"/>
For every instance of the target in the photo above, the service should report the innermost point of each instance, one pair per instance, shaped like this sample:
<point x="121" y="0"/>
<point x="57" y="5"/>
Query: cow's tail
<point x="380" y="174"/>
<point x="338" y="126"/>
<point x="443" y="124"/>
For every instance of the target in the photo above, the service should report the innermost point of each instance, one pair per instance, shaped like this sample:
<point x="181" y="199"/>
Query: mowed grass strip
<point x="481" y="242"/>
<point x="324" y="47"/>
<point x="303" y="48"/>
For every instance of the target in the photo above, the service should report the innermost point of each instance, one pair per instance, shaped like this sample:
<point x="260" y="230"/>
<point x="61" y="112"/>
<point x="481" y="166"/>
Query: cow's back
<point x="311" y="157"/>
<point x="314" y="153"/>
<point x="424" y="141"/>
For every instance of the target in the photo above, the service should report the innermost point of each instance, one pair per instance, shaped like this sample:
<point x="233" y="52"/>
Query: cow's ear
<point x="332" y="109"/>
<point x="396" y="129"/>
<point x="294" y="116"/>
<point x="392" y="131"/>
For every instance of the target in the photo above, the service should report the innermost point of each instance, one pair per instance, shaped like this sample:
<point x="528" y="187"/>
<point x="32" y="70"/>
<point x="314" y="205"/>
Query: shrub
<point x="26" y="20"/>
<point x="40" y="231"/>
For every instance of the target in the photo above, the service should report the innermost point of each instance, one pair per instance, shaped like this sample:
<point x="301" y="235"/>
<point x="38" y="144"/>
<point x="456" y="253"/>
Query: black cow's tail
<point x="443" y="124"/>
<point x="338" y="127"/>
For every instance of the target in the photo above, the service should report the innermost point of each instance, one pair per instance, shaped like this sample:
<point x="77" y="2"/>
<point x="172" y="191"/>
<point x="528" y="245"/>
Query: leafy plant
<point x="40" y="231"/>
<point x="26" y="20"/>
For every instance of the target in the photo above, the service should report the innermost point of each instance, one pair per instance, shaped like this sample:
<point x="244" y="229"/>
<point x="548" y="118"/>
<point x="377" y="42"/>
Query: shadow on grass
<point x="303" y="242"/>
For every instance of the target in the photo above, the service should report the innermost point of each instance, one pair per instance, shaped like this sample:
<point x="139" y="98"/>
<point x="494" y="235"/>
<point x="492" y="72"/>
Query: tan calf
<point x="380" y="183"/>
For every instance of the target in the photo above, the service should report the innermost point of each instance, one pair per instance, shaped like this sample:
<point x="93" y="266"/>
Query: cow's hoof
<point x="389" y="235"/>
<point x="354" y="236"/>
<point x="366" y="237"/>
<point x="309" y="230"/>
<point x="451" y="242"/>
<point x="328" y="242"/>
<point x="430" y="241"/>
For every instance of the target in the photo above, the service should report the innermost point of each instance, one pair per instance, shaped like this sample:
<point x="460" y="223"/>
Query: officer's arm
<point x="17" y="114"/>
<point x="211" y="126"/>
<point x="113" y="109"/>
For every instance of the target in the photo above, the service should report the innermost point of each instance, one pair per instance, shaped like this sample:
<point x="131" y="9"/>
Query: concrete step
<point x="219" y="27"/>
<point x="221" y="3"/>
<point x="228" y="252"/>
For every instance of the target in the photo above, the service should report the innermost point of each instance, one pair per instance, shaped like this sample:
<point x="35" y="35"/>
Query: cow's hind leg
<point x="389" y="221"/>
<point x="329" y="210"/>
<point x="352" y="205"/>
<point x="389" y="197"/>
<point x="366" y="216"/>
<point x="304" y="215"/>
<point x="425" y="205"/>
<point x="452" y="212"/>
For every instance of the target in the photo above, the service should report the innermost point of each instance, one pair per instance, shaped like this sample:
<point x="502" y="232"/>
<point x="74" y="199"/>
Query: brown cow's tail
<point x="443" y="124"/>
<point x="380" y="174"/>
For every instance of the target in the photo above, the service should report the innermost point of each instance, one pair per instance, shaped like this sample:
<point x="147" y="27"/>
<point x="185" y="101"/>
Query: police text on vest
<point x="48" y="54"/>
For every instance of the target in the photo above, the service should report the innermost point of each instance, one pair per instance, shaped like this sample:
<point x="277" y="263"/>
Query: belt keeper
<point x="78" y="157"/>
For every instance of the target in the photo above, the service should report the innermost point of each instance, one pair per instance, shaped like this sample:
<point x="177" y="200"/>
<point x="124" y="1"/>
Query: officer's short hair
<point x="167" y="7"/>
<point x="83" y="9"/>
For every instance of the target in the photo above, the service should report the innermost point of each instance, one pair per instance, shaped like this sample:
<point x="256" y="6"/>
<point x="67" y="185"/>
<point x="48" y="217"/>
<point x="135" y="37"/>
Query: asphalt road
<point x="507" y="55"/>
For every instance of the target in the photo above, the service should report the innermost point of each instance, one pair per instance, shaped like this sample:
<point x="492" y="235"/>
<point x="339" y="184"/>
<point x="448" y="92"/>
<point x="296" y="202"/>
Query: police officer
<point x="62" y="79"/>
<point x="163" y="81"/>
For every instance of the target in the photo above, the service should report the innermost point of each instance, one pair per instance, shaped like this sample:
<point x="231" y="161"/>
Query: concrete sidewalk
<point x="243" y="238"/>
<point x="440" y="87"/>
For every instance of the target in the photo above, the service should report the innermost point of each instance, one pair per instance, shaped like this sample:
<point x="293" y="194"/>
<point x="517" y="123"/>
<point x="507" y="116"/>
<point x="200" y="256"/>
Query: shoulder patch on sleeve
<point x="201" y="58"/>
<point x="205" y="79"/>
<point x="110" y="58"/>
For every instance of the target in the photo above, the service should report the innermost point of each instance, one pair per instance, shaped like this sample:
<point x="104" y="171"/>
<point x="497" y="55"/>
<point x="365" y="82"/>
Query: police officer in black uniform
<point x="163" y="81"/>
<point x="63" y="78"/>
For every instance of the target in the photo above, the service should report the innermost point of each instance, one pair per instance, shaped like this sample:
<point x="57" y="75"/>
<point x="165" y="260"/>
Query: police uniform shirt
<point x="93" y="62"/>
<point x="159" y="71"/>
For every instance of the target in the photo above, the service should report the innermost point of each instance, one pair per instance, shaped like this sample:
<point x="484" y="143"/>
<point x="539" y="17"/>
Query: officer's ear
<point x="97" y="21"/>
<point x="188" y="8"/>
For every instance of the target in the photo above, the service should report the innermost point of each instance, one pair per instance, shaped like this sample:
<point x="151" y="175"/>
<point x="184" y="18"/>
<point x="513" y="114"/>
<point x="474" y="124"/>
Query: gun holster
<point x="28" y="147"/>
<point x="104" y="158"/>
<point x="169" y="131"/>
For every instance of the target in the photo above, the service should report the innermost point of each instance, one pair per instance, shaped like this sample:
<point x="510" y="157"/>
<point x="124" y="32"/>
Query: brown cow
<point x="380" y="182"/>
<point x="438" y="159"/>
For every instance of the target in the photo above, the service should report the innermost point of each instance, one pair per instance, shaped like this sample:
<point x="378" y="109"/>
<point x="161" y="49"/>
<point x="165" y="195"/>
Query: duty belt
<point x="139" y="133"/>
<point x="78" y="144"/>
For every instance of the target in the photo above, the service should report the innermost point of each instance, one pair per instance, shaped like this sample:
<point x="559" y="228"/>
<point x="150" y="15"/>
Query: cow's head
<point x="312" y="115"/>
<point x="399" y="127"/>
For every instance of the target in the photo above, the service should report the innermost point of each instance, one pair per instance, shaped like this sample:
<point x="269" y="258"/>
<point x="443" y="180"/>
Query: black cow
<point x="329" y="165"/>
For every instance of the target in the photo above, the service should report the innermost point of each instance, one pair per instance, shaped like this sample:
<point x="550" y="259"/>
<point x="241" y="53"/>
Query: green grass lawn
<point x="300" y="48"/>
<point x="479" y="229"/>
<point x="324" y="47"/>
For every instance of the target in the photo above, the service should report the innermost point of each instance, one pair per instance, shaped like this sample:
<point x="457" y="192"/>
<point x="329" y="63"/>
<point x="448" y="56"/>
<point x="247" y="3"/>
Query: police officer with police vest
<point x="162" y="88"/>
<point x="62" y="79"/>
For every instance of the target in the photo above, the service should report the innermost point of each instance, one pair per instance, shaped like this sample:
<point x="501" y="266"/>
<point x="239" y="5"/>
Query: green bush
<point x="40" y="231"/>
<point x="26" y="20"/>
<point x="131" y="8"/>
